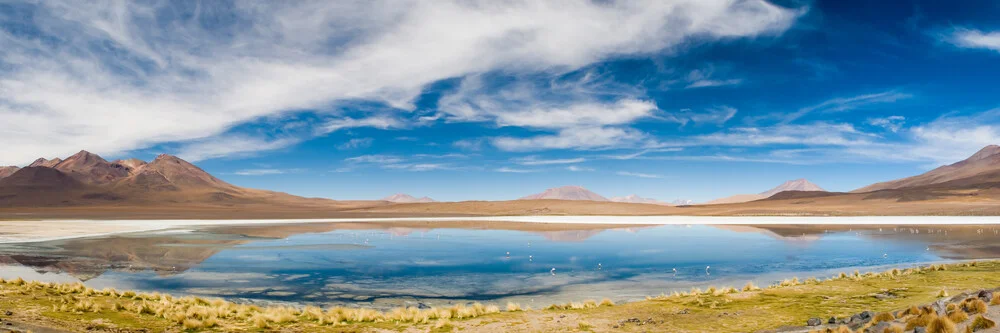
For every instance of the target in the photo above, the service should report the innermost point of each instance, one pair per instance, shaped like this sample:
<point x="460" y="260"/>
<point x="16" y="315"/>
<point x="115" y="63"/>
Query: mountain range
<point x="982" y="167"/>
<point x="406" y="198"/>
<point x="632" y="198"/>
<point x="88" y="179"/>
<point x="791" y="185"/>
<point x="567" y="193"/>
<point x="84" y="183"/>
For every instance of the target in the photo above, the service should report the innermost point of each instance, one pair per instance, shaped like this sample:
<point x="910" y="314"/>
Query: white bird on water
<point x="885" y="255"/>
<point x="675" y="271"/>
<point x="553" y="271"/>
<point x="508" y="254"/>
<point x="531" y="258"/>
<point x="598" y="266"/>
<point x="706" y="270"/>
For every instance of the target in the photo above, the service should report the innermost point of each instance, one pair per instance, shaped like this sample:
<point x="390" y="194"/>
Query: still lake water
<point x="386" y="264"/>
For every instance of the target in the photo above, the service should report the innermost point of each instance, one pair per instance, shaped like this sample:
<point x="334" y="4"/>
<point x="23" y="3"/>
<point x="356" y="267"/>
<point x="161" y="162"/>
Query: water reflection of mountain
<point x="948" y="241"/>
<point x="169" y="253"/>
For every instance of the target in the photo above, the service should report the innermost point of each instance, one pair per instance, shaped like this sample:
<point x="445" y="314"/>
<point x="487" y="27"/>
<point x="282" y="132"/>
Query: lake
<point x="409" y="263"/>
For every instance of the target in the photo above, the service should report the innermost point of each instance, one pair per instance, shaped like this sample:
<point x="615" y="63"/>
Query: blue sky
<point x="459" y="100"/>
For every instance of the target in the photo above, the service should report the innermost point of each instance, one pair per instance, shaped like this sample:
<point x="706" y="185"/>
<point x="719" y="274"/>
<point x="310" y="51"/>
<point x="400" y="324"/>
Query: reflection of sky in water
<point x="446" y="265"/>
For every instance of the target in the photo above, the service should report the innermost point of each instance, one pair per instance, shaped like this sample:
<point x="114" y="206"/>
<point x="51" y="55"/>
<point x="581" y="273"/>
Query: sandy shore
<point x="46" y="230"/>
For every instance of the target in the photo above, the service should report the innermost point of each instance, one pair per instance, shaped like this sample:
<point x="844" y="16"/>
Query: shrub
<point x="513" y="307"/>
<point x="893" y="329"/>
<point x="941" y="325"/>
<point x="974" y="306"/>
<point x="750" y="287"/>
<point x="982" y="323"/>
<point x="942" y="293"/>
<point x="884" y="316"/>
<point x="958" y="316"/>
<point x="607" y="302"/>
<point x="995" y="300"/>
<point x="922" y="320"/>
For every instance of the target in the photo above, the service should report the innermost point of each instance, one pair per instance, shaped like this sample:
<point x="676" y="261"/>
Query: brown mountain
<point x="91" y="169"/>
<point x="984" y="166"/>
<point x="800" y="185"/>
<point x="567" y="193"/>
<point x="86" y="179"/>
<point x="406" y="198"/>
<point x="7" y="171"/>
<point x="42" y="162"/>
<point x="634" y="198"/>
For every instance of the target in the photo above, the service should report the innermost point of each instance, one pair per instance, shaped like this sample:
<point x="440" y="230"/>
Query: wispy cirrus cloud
<point x="891" y="123"/>
<point x="514" y="170"/>
<point x="975" y="39"/>
<point x="841" y="104"/>
<point x="638" y="174"/>
<point x="535" y="160"/>
<point x="716" y="115"/>
<point x="705" y="77"/>
<point x="357" y="143"/>
<point x="577" y="168"/>
<point x="415" y="163"/>
<point x="230" y="145"/>
<point x="265" y="172"/>
<point x="88" y="69"/>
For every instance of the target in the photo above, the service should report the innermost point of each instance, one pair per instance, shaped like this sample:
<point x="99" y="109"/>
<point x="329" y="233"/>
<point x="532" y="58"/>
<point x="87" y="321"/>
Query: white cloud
<point x="229" y="145"/>
<point x="418" y="167"/>
<point x="952" y="138"/>
<point x="717" y="116"/>
<point x="891" y="123"/>
<point x="704" y="78"/>
<point x="380" y="122"/>
<point x="534" y="160"/>
<point x="513" y="170"/>
<point x="117" y="76"/>
<point x="357" y="143"/>
<point x="375" y="159"/>
<point x="976" y="39"/>
<point x="816" y="134"/>
<point x="842" y="104"/>
<point x="574" y="138"/>
<point x="622" y="112"/>
<point x="577" y="168"/>
<point x="469" y="144"/>
<point x="415" y="163"/>
<point x="259" y="172"/>
<point x="637" y="174"/>
<point x="705" y="83"/>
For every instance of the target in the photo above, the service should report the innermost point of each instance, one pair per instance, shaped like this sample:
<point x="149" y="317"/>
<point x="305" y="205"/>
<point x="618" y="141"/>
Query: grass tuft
<point x="982" y="323"/>
<point x="513" y="307"/>
<point x="958" y="316"/>
<point x="922" y="320"/>
<point x="884" y="316"/>
<point x="894" y="329"/>
<point x="941" y="325"/>
<point x="974" y="306"/>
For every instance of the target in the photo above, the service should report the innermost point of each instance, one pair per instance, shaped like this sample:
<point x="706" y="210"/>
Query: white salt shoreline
<point x="69" y="229"/>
